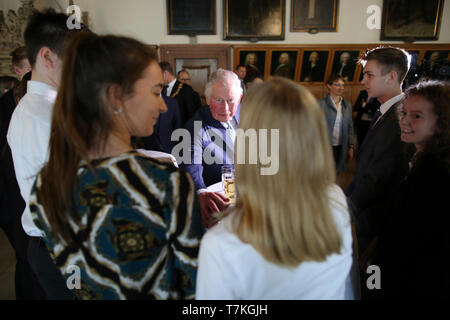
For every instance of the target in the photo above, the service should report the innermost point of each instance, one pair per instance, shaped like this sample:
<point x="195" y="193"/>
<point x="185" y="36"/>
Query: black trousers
<point x="49" y="276"/>
<point x="337" y="154"/>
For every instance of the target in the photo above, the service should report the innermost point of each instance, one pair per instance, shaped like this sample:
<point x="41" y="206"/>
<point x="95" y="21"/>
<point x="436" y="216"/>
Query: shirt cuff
<point x="201" y="191"/>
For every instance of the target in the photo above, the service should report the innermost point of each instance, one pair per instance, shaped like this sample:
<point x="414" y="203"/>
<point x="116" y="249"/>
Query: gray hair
<point x="314" y="53"/>
<point x="226" y="77"/>
<point x="251" y="54"/>
<point x="284" y="54"/>
<point x="341" y="58"/>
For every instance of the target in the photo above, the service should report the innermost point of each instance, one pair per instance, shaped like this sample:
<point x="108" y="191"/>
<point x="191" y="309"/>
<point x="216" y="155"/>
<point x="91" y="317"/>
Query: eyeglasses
<point x="338" y="85"/>
<point x="185" y="79"/>
<point x="220" y="100"/>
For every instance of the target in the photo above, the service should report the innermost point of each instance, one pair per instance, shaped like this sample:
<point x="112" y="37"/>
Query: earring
<point x="119" y="111"/>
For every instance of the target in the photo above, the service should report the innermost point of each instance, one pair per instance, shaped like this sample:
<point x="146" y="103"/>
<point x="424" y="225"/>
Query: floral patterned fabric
<point x="137" y="234"/>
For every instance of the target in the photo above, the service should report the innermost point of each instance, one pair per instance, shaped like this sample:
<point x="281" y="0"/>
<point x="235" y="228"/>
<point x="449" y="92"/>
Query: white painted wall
<point x="146" y="20"/>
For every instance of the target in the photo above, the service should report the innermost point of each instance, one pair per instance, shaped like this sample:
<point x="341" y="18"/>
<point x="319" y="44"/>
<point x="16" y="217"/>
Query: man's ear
<point x="48" y="57"/>
<point x="16" y="70"/>
<point x="165" y="75"/>
<point x="393" y="76"/>
<point x="208" y="100"/>
<point x="114" y="96"/>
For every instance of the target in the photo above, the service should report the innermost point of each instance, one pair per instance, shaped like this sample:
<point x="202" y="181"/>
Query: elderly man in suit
<point x="213" y="136"/>
<point x="380" y="161"/>
<point x="179" y="90"/>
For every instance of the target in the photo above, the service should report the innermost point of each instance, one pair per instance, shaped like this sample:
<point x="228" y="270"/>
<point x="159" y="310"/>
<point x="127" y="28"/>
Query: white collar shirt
<point x="388" y="104"/>
<point x="170" y="87"/>
<point x="28" y="137"/>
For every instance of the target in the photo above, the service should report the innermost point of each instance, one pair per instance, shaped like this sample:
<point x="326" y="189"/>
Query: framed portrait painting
<point x="191" y="17"/>
<point x="253" y="19"/>
<point x="283" y="63"/>
<point x="314" y="15"/>
<point x="314" y="66"/>
<point x="433" y="63"/>
<point x="411" y="20"/>
<point x="344" y="63"/>
<point x="254" y="61"/>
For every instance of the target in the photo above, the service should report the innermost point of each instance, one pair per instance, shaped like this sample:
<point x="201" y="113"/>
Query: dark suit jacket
<point x="7" y="106"/>
<point x="187" y="101"/>
<point x="11" y="202"/>
<point x="330" y="113"/>
<point x="167" y="122"/>
<point x="211" y="137"/>
<point x="380" y="166"/>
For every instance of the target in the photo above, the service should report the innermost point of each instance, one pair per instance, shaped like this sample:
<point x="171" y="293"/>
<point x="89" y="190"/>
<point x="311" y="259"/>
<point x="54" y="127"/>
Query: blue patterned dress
<point x="137" y="234"/>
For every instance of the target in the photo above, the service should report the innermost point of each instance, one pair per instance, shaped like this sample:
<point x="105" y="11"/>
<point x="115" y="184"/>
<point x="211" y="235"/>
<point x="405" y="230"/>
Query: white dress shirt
<point x="231" y="269"/>
<point x="28" y="137"/>
<point x="388" y="104"/>
<point x="337" y="129"/>
<point x="170" y="87"/>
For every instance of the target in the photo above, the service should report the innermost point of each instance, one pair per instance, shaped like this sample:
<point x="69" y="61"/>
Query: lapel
<point x="332" y="106"/>
<point x="176" y="89"/>
<point x="391" y="113"/>
<point x="237" y="115"/>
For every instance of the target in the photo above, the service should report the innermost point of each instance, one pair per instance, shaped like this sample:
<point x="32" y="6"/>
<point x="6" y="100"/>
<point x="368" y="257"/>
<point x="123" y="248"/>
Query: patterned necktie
<point x="375" y="118"/>
<point x="230" y="131"/>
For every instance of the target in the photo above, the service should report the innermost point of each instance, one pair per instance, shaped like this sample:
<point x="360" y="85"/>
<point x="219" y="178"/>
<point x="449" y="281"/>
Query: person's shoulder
<point x="221" y="234"/>
<point x="339" y="205"/>
<point x="435" y="167"/>
<point x="33" y="107"/>
<point x="185" y="88"/>
<point x="203" y="114"/>
<point x="323" y="101"/>
<point x="135" y="162"/>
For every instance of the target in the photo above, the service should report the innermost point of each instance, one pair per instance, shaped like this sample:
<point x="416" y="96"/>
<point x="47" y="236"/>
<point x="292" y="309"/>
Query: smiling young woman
<point x="413" y="252"/>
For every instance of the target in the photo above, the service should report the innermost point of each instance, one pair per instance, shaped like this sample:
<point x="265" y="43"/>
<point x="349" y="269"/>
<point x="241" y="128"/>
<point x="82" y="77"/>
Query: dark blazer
<point x="167" y="122"/>
<point x="348" y="139"/>
<point x="11" y="208"/>
<point x="414" y="246"/>
<point x="7" y="106"/>
<point x="187" y="101"/>
<point x="380" y="166"/>
<point x="211" y="137"/>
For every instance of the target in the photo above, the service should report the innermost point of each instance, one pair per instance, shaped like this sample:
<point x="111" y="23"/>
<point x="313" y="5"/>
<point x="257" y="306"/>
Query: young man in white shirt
<point x="380" y="161"/>
<point x="46" y="37"/>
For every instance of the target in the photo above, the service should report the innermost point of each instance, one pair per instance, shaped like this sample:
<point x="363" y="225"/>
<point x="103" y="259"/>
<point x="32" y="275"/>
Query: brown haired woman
<point x="414" y="246"/>
<point x="338" y="115"/>
<point x="289" y="236"/>
<point x="129" y="225"/>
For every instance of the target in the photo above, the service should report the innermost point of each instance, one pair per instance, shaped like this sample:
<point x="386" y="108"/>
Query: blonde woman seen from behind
<point x="289" y="235"/>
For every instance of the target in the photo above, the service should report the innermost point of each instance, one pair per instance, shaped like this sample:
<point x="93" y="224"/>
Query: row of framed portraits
<point x="256" y="20"/>
<point x="315" y="63"/>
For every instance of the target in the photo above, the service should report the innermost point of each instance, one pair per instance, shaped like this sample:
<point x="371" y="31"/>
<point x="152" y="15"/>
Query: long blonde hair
<point x="286" y="216"/>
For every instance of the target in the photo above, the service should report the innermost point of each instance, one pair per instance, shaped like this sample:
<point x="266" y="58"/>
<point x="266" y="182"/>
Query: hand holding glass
<point x="228" y="182"/>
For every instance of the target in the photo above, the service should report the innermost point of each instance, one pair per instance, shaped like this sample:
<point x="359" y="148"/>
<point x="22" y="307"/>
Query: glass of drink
<point x="228" y="182"/>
